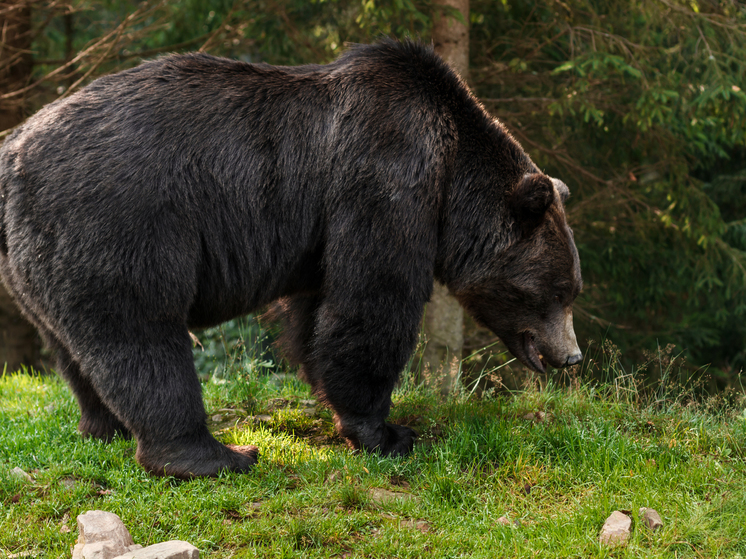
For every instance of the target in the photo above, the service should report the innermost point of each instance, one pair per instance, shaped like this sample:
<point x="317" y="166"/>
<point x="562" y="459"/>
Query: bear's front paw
<point x="387" y="439"/>
<point x="399" y="440"/>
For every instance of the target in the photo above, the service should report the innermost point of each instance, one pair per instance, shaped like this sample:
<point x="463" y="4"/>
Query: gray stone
<point x="174" y="549"/>
<point x="505" y="521"/>
<point x="18" y="473"/>
<point x="102" y="535"/>
<point x="384" y="496"/>
<point x="101" y="550"/>
<point x="616" y="529"/>
<point x="420" y="525"/>
<point x="336" y="475"/>
<point x="651" y="518"/>
<point x="538" y="417"/>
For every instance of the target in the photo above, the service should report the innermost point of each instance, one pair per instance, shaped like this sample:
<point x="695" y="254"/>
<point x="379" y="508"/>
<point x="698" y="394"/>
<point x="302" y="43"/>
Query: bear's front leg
<point x="378" y="265"/>
<point x="358" y="352"/>
<point x="299" y="315"/>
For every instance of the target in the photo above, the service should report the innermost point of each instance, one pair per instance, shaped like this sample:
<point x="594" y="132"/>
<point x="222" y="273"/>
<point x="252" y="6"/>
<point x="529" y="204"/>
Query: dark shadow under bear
<point x="192" y="189"/>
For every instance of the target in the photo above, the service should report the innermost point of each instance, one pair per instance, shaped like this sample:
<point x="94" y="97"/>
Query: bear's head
<point x="526" y="289"/>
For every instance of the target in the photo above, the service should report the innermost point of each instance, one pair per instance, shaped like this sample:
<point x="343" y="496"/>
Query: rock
<point x="503" y="520"/>
<point x="277" y="404"/>
<point x="651" y="518"/>
<point x="174" y="549"/>
<point x="64" y="528"/>
<point x="99" y="525"/>
<point x="102" y="535"/>
<point x="18" y="473"/>
<point x="538" y="417"/>
<point x="262" y="418"/>
<point x="380" y="495"/>
<point x="68" y="483"/>
<point x="336" y="475"/>
<point x="616" y="529"/>
<point x="101" y="550"/>
<point x="420" y="525"/>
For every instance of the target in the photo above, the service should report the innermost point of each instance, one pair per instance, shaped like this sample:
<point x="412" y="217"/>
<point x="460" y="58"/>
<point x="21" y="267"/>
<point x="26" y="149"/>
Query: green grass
<point x="603" y="447"/>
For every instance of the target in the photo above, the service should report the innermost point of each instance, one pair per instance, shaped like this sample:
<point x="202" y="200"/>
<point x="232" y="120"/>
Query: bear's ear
<point x="531" y="197"/>
<point x="562" y="189"/>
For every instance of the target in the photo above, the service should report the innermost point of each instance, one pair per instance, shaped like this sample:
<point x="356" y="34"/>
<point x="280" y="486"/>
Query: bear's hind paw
<point x="194" y="461"/>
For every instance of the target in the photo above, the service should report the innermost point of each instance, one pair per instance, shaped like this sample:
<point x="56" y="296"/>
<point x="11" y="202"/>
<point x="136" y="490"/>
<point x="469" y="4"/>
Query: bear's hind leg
<point x="96" y="420"/>
<point x="144" y="372"/>
<point x="297" y="316"/>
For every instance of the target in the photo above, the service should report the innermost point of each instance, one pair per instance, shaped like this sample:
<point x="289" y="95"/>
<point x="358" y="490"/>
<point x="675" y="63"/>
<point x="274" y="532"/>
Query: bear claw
<point x="249" y="451"/>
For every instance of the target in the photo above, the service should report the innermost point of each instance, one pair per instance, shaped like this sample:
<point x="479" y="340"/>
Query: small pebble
<point x="651" y="518"/>
<point x="18" y="473"/>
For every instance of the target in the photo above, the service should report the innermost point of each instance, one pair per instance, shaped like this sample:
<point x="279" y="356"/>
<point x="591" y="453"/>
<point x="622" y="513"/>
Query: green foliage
<point x="239" y="345"/>
<point x="633" y="105"/>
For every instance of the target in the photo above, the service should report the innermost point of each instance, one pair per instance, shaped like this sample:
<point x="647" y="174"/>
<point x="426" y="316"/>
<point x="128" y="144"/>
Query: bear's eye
<point x="557" y="298"/>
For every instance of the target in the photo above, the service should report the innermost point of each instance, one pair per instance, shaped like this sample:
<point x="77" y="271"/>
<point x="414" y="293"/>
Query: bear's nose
<point x="574" y="359"/>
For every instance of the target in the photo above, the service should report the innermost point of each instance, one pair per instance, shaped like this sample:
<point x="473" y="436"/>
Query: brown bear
<point x="193" y="189"/>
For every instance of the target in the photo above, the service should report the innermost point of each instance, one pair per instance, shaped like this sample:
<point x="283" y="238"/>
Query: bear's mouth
<point x="531" y="351"/>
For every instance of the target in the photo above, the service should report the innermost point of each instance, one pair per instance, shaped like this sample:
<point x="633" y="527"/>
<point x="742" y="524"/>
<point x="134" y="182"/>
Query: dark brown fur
<point x="193" y="189"/>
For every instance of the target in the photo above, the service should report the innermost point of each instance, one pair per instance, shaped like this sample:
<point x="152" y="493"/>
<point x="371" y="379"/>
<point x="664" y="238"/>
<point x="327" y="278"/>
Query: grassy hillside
<point x="555" y="475"/>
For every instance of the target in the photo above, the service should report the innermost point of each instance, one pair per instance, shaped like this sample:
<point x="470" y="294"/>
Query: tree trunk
<point x="444" y="317"/>
<point x="19" y="342"/>
<point x="451" y="36"/>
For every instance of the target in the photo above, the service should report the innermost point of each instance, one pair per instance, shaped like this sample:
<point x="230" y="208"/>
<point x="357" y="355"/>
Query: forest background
<point x="640" y="107"/>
